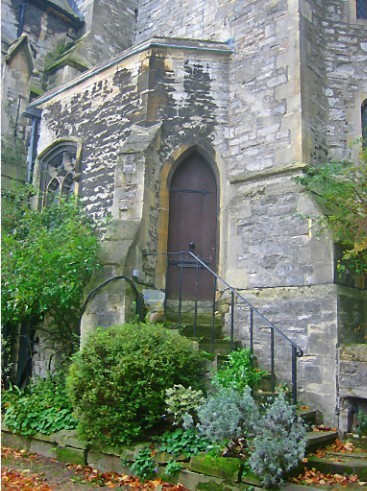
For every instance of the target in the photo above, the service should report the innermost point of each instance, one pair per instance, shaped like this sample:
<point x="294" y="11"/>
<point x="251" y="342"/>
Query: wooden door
<point x="192" y="226"/>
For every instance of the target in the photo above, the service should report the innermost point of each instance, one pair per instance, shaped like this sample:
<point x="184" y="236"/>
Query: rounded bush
<point x="117" y="382"/>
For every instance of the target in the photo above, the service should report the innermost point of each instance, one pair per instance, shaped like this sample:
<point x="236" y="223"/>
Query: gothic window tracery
<point x="59" y="172"/>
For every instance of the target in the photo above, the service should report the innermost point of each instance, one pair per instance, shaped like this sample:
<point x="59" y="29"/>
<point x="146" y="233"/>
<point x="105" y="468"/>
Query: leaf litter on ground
<point x="47" y="474"/>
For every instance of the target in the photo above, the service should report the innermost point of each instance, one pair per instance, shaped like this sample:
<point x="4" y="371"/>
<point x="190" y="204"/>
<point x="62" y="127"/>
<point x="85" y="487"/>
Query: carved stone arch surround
<point x="168" y="169"/>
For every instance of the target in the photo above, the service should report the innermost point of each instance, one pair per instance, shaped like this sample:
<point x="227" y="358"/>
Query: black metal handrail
<point x="200" y="264"/>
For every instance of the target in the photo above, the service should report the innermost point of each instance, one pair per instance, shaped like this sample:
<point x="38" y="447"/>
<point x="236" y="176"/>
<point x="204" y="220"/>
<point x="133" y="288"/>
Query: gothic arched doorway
<point x="192" y="226"/>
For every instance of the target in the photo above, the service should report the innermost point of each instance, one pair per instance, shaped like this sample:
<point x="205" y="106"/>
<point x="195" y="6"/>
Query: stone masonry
<point x="260" y="89"/>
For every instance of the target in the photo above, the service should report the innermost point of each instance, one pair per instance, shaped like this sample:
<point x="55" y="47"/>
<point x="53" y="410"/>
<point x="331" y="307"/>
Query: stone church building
<point x="186" y="123"/>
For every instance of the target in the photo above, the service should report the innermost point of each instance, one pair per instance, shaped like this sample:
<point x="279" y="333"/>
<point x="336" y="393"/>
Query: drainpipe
<point x="35" y="115"/>
<point x="21" y="17"/>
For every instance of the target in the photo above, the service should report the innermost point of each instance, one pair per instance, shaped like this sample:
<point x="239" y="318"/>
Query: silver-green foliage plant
<point x="182" y="401"/>
<point x="279" y="443"/>
<point x="228" y="414"/>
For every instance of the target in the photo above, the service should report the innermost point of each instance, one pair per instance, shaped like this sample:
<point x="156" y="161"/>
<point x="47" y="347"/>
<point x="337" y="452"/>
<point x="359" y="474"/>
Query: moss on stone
<point x="227" y="468"/>
<point x="71" y="455"/>
<point x="67" y="59"/>
<point x="36" y="90"/>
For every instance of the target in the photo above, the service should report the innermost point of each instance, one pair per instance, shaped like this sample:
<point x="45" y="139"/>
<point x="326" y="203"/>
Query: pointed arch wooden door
<point x="192" y="226"/>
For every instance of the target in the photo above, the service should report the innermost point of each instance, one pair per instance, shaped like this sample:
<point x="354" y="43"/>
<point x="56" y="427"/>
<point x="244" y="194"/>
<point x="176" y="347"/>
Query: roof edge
<point x="155" y="42"/>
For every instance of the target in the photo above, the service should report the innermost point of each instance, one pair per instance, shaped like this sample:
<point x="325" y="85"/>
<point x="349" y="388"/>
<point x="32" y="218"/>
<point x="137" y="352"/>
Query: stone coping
<point x="156" y="42"/>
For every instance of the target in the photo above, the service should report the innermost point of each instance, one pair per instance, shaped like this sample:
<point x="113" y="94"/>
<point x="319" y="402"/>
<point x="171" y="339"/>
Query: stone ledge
<point x="218" y="474"/>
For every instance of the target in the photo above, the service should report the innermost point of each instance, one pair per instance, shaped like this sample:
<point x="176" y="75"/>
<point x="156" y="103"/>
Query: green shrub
<point x="183" y="442"/>
<point x="48" y="257"/>
<point x="41" y="407"/>
<point x="362" y="422"/>
<point x="181" y="401"/>
<point x="144" y="466"/>
<point x="173" y="468"/>
<point x="117" y="382"/>
<point x="238" y="371"/>
<point x="279" y="443"/>
<point x="228" y="414"/>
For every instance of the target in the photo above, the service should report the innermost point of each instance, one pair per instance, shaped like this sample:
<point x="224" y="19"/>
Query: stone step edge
<point x="333" y="466"/>
<point x="320" y="438"/>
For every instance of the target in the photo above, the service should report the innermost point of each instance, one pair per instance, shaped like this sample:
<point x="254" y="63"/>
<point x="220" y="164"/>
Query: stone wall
<point x="280" y="46"/>
<point x="46" y="30"/>
<point x="57" y="46"/>
<point x="24" y="58"/>
<point x="147" y="109"/>
<point x="334" y="78"/>
<point x="352" y="313"/>
<point x="48" y="353"/>
<point x="284" y="91"/>
<point x="99" y="43"/>
<point x="307" y="315"/>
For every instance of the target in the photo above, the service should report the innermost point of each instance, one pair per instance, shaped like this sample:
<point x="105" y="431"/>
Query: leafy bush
<point x="144" y="466"/>
<point x="48" y="256"/>
<point x="117" y="382"/>
<point x="42" y="407"/>
<point x="173" y="468"/>
<point x="238" y="372"/>
<point x="227" y="415"/>
<point x="183" y="442"/>
<point x="181" y="401"/>
<point x="339" y="187"/>
<point x="362" y="422"/>
<point x="279" y="443"/>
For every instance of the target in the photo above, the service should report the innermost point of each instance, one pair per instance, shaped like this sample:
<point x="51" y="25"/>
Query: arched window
<point x="361" y="9"/>
<point x="364" y="123"/>
<point x="59" y="171"/>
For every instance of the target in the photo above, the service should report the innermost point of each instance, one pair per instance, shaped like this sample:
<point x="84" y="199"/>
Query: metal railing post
<point x="272" y="361"/>
<point x="213" y="313"/>
<point x="232" y="320"/>
<point x="180" y="289"/>
<point x="251" y="330"/>
<point x="294" y="375"/>
<point x="196" y="298"/>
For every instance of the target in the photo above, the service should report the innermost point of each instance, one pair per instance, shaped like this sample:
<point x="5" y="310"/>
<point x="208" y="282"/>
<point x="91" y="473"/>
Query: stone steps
<point x="262" y="393"/>
<point x="319" y="439"/>
<point x="221" y="346"/>
<point x="201" y="331"/>
<point x="354" y="464"/>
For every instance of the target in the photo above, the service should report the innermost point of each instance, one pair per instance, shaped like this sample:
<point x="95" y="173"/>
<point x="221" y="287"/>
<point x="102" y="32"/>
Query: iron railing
<point x="184" y="257"/>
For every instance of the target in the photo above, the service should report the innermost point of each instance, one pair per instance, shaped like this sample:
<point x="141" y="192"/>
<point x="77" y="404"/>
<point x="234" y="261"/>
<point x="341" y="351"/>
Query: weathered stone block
<point x="130" y="452"/>
<point x="104" y="462"/>
<point x="69" y="438"/>
<point x="229" y="469"/>
<point x="200" y="482"/>
<point x="71" y="455"/>
<point x="12" y="440"/>
<point x="47" y="449"/>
